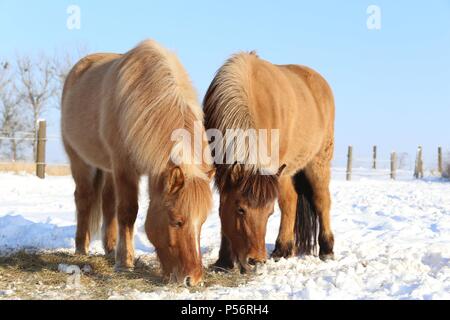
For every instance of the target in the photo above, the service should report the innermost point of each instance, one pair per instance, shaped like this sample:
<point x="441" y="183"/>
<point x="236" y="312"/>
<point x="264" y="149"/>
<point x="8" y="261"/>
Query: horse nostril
<point x="187" y="281"/>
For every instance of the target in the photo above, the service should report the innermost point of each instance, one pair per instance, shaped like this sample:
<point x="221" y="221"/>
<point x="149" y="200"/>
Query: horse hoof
<point x="122" y="269"/>
<point x="327" y="257"/>
<point x="221" y="267"/>
<point x="110" y="254"/>
<point x="276" y="255"/>
<point x="282" y="251"/>
<point x="81" y="252"/>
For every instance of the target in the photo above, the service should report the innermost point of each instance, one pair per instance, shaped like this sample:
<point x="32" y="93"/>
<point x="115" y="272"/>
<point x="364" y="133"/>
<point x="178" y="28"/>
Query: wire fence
<point x="26" y="152"/>
<point x="396" y="165"/>
<point x="20" y="152"/>
<point x="20" y="146"/>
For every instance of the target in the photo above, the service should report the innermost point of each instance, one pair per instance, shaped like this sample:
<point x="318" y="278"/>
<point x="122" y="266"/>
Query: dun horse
<point x="250" y="93"/>
<point x="118" y="114"/>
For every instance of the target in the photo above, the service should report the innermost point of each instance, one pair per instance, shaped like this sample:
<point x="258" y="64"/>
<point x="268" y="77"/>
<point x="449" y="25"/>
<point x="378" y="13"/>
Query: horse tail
<point x="306" y="220"/>
<point x="96" y="212"/>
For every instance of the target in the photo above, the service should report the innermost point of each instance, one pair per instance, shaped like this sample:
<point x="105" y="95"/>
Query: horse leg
<point x="287" y="200"/>
<point x="318" y="174"/>
<point x="85" y="197"/>
<point x="126" y="184"/>
<point x="226" y="260"/>
<point x="109" y="216"/>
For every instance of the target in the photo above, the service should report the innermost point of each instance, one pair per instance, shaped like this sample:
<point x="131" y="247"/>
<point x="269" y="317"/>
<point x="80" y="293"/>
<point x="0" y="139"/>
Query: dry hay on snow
<point x="35" y="275"/>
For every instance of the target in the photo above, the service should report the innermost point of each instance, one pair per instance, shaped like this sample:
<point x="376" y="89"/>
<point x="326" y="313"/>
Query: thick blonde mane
<point x="226" y="102"/>
<point x="156" y="97"/>
<point x="227" y="106"/>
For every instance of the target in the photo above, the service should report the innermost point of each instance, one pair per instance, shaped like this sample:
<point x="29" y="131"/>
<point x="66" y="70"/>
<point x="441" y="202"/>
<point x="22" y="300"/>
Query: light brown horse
<point x="118" y="115"/>
<point x="250" y="93"/>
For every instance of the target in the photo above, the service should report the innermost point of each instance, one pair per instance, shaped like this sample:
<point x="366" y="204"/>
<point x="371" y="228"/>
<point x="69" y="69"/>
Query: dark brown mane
<point x="258" y="189"/>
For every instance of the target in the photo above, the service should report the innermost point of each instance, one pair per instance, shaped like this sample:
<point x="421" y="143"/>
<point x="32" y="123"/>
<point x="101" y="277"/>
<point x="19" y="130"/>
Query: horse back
<point x="298" y="101"/>
<point x="81" y="108"/>
<point x="83" y="65"/>
<point x="319" y="88"/>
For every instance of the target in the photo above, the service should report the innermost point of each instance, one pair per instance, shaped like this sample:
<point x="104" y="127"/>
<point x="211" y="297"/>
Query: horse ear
<point x="211" y="173"/>
<point x="176" y="180"/>
<point x="235" y="172"/>
<point x="280" y="170"/>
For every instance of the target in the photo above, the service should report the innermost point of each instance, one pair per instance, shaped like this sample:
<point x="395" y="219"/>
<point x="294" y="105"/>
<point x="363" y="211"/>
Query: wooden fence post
<point x="393" y="165"/>
<point x="440" y="168"/>
<point x="421" y="163"/>
<point x="40" y="149"/>
<point x="416" y="167"/>
<point x="349" y="163"/>
<point x="418" y="171"/>
<point x="374" y="157"/>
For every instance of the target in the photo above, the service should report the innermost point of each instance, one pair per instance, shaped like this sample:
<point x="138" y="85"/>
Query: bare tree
<point x="4" y="68"/>
<point x="4" y="80"/>
<point x="36" y="86"/>
<point x="61" y="66"/>
<point x="12" y="124"/>
<point x="28" y="88"/>
<point x="12" y="121"/>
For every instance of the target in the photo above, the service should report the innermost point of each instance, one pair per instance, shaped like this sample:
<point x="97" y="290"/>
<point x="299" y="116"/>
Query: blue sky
<point x="392" y="86"/>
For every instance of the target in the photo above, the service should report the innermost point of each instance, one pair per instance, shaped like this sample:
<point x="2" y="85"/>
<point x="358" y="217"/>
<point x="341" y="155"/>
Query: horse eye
<point x="177" y="224"/>
<point x="241" y="211"/>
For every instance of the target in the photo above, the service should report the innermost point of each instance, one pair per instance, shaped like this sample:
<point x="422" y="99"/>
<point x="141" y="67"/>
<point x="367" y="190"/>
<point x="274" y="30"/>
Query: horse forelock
<point x="256" y="188"/>
<point x="195" y="198"/>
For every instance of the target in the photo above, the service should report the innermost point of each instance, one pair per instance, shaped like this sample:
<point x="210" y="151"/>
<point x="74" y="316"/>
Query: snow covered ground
<point x="392" y="241"/>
